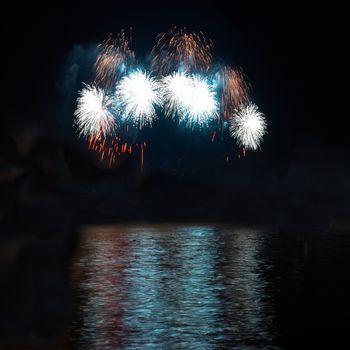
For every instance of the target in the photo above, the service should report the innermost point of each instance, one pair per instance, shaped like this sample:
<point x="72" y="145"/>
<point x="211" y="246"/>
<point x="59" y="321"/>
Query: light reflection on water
<point x="173" y="287"/>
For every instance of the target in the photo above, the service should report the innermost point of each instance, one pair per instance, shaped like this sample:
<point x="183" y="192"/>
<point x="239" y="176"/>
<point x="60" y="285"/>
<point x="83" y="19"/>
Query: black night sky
<point x="290" y="54"/>
<point x="51" y="184"/>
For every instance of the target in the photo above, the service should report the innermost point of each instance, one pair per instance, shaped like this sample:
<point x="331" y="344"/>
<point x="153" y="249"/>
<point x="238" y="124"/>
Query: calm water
<point x="199" y="287"/>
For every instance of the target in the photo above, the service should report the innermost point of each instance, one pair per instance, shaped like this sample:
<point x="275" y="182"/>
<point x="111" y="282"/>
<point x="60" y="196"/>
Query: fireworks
<point x="184" y="85"/>
<point x="138" y="94"/>
<point x="192" y="98"/>
<point x="248" y="126"/>
<point x="181" y="49"/>
<point x="94" y="114"/>
<point x="199" y="105"/>
<point x="175" y="91"/>
<point x="234" y="90"/>
<point x="113" y="59"/>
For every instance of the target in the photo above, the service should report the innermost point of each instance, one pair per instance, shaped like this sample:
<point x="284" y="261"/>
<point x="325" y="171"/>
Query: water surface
<point x="173" y="287"/>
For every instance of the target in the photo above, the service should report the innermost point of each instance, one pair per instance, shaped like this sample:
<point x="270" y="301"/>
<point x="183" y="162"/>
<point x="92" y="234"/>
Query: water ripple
<point x="173" y="287"/>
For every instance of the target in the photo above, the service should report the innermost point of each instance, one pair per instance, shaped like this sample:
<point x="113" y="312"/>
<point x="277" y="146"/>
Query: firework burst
<point x="234" y="90"/>
<point x="175" y="89"/>
<point x="200" y="105"/>
<point x="138" y="94"/>
<point x="94" y="115"/>
<point x="184" y="85"/>
<point x="113" y="59"/>
<point x="248" y="126"/>
<point x="181" y="49"/>
<point x="192" y="98"/>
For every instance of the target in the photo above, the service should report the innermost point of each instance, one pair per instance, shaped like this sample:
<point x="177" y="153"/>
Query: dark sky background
<point x="291" y="56"/>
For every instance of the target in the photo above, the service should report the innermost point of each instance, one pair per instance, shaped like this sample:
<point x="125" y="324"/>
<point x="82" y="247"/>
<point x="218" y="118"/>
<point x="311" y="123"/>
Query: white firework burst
<point x="175" y="91"/>
<point x="94" y="113"/>
<point x="248" y="126"/>
<point x="200" y="106"/>
<point x="191" y="97"/>
<point x="138" y="94"/>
